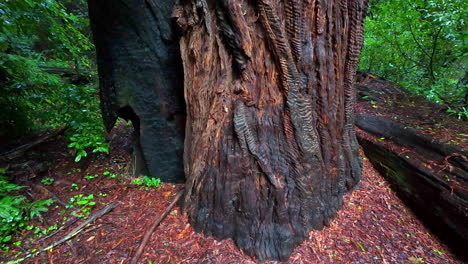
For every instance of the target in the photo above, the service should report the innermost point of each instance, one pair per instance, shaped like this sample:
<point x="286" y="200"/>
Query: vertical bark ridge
<point x="231" y="35"/>
<point x="299" y="106"/>
<point x="357" y="11"/>
<point x="294" y="11"/>
<point x="248" y="141"/>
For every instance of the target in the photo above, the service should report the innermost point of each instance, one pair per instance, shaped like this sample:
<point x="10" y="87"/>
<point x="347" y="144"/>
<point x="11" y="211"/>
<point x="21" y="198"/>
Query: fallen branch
<point x="17" y="151"/>
<point x="65" y="71"/>
<point x="70" y="222"/>
<point x="153" y="227"/>
<point x="52" y="195"/>
<point x="70" y="235"/>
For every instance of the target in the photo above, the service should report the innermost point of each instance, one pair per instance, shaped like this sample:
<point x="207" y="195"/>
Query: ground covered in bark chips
<point x="373" y="226"/>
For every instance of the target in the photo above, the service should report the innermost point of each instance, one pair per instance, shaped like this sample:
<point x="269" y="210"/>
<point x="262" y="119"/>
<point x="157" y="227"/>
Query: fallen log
<point x="429" y="176"/>
<point x="411" y="138"/>
<point x="65" y="71"/>
<point x="14" y="153"/>
<point x="74" y="76"/>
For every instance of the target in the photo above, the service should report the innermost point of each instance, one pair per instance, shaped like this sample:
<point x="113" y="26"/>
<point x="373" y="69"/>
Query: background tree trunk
<point x="140" y="78"/>
<point x="270" y="145"/>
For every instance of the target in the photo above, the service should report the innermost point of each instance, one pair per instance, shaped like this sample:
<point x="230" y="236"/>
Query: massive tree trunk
<point x="140" y="77"/>
<point x="270" y="145"/>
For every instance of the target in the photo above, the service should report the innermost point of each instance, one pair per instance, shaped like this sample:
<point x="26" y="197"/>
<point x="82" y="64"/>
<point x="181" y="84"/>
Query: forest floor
<point x="374" y="226"/>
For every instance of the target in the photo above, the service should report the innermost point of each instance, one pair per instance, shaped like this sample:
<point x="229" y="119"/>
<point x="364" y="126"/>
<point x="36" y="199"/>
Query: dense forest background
<point x="421" y="46"/>
<point x="48" y="75"/>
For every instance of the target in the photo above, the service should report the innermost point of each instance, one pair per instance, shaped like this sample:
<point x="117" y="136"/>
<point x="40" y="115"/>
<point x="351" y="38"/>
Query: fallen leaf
<point x="184" y="232"/>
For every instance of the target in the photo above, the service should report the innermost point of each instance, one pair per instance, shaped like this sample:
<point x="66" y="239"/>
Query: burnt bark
<point x="270" y="145"/>
<point x="141" y="78"/>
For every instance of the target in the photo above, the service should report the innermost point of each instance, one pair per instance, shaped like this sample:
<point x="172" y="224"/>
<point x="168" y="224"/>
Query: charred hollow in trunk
<point x="140" y="79"/>
<point x="270" y="146"/>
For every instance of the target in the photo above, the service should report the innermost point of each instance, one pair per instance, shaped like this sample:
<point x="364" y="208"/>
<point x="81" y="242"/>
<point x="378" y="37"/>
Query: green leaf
<point x="361" y="247"/>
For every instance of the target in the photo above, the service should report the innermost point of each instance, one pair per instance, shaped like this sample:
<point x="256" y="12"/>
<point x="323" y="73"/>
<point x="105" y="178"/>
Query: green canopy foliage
<point x="39" y="35"/>
<point x="420" y="45"/>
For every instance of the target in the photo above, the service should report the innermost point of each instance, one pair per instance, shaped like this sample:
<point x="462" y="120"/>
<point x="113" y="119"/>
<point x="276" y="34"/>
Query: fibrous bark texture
<point x="270" y="146"/>
<point x="140" y="76"/>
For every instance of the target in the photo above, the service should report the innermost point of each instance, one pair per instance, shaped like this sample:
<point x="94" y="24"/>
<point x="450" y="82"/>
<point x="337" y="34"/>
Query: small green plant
<point x="361" y="247"/>
<point x="74" y="187"/>
<point x="460" y="114"/>
<point x="85" y="203"/>
<point x="147" y="181"/>
<point x="416" y="260"/>
<point x="108" y="173"/>
<point x="47" y="181"/>
<point x="90" y="177"/>
<point x="88" y="139"/>
<point x="16" y="210"/>
<point x="40" y="232"/>
<point x="74" y="170"/>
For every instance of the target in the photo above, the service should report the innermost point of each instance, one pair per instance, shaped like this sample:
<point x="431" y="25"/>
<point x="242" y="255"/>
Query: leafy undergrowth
<point x="374" y="226"/>
<point x="16" y="210"/>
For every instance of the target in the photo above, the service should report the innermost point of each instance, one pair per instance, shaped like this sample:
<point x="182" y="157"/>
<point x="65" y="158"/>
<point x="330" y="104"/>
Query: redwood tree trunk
<point x="270" y="146"/>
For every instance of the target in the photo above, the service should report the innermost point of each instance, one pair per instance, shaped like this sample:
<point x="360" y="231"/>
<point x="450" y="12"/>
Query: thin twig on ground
<point x="153" y="227"/>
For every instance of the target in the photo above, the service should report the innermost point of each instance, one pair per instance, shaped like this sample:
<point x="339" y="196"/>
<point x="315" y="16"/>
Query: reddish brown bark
<point x="270" y="146"/>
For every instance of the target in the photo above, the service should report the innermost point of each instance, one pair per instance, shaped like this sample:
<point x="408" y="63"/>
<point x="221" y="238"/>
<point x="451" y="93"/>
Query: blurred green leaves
<point x="420" y="45"/>
<point x="34" y="36"/>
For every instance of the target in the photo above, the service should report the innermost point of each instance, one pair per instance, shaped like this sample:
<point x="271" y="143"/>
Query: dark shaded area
<point x="140" y="77"/>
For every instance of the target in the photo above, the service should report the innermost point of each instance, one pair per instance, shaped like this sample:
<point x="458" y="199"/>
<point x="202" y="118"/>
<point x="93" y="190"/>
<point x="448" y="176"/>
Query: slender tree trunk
<point x="270" y="146"/>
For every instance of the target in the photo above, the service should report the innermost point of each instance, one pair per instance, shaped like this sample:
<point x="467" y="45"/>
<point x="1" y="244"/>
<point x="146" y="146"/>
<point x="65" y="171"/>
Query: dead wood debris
<point x="153" y="227"/>
<point x="14" y="153"/>
<point x="72" y="234"/>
